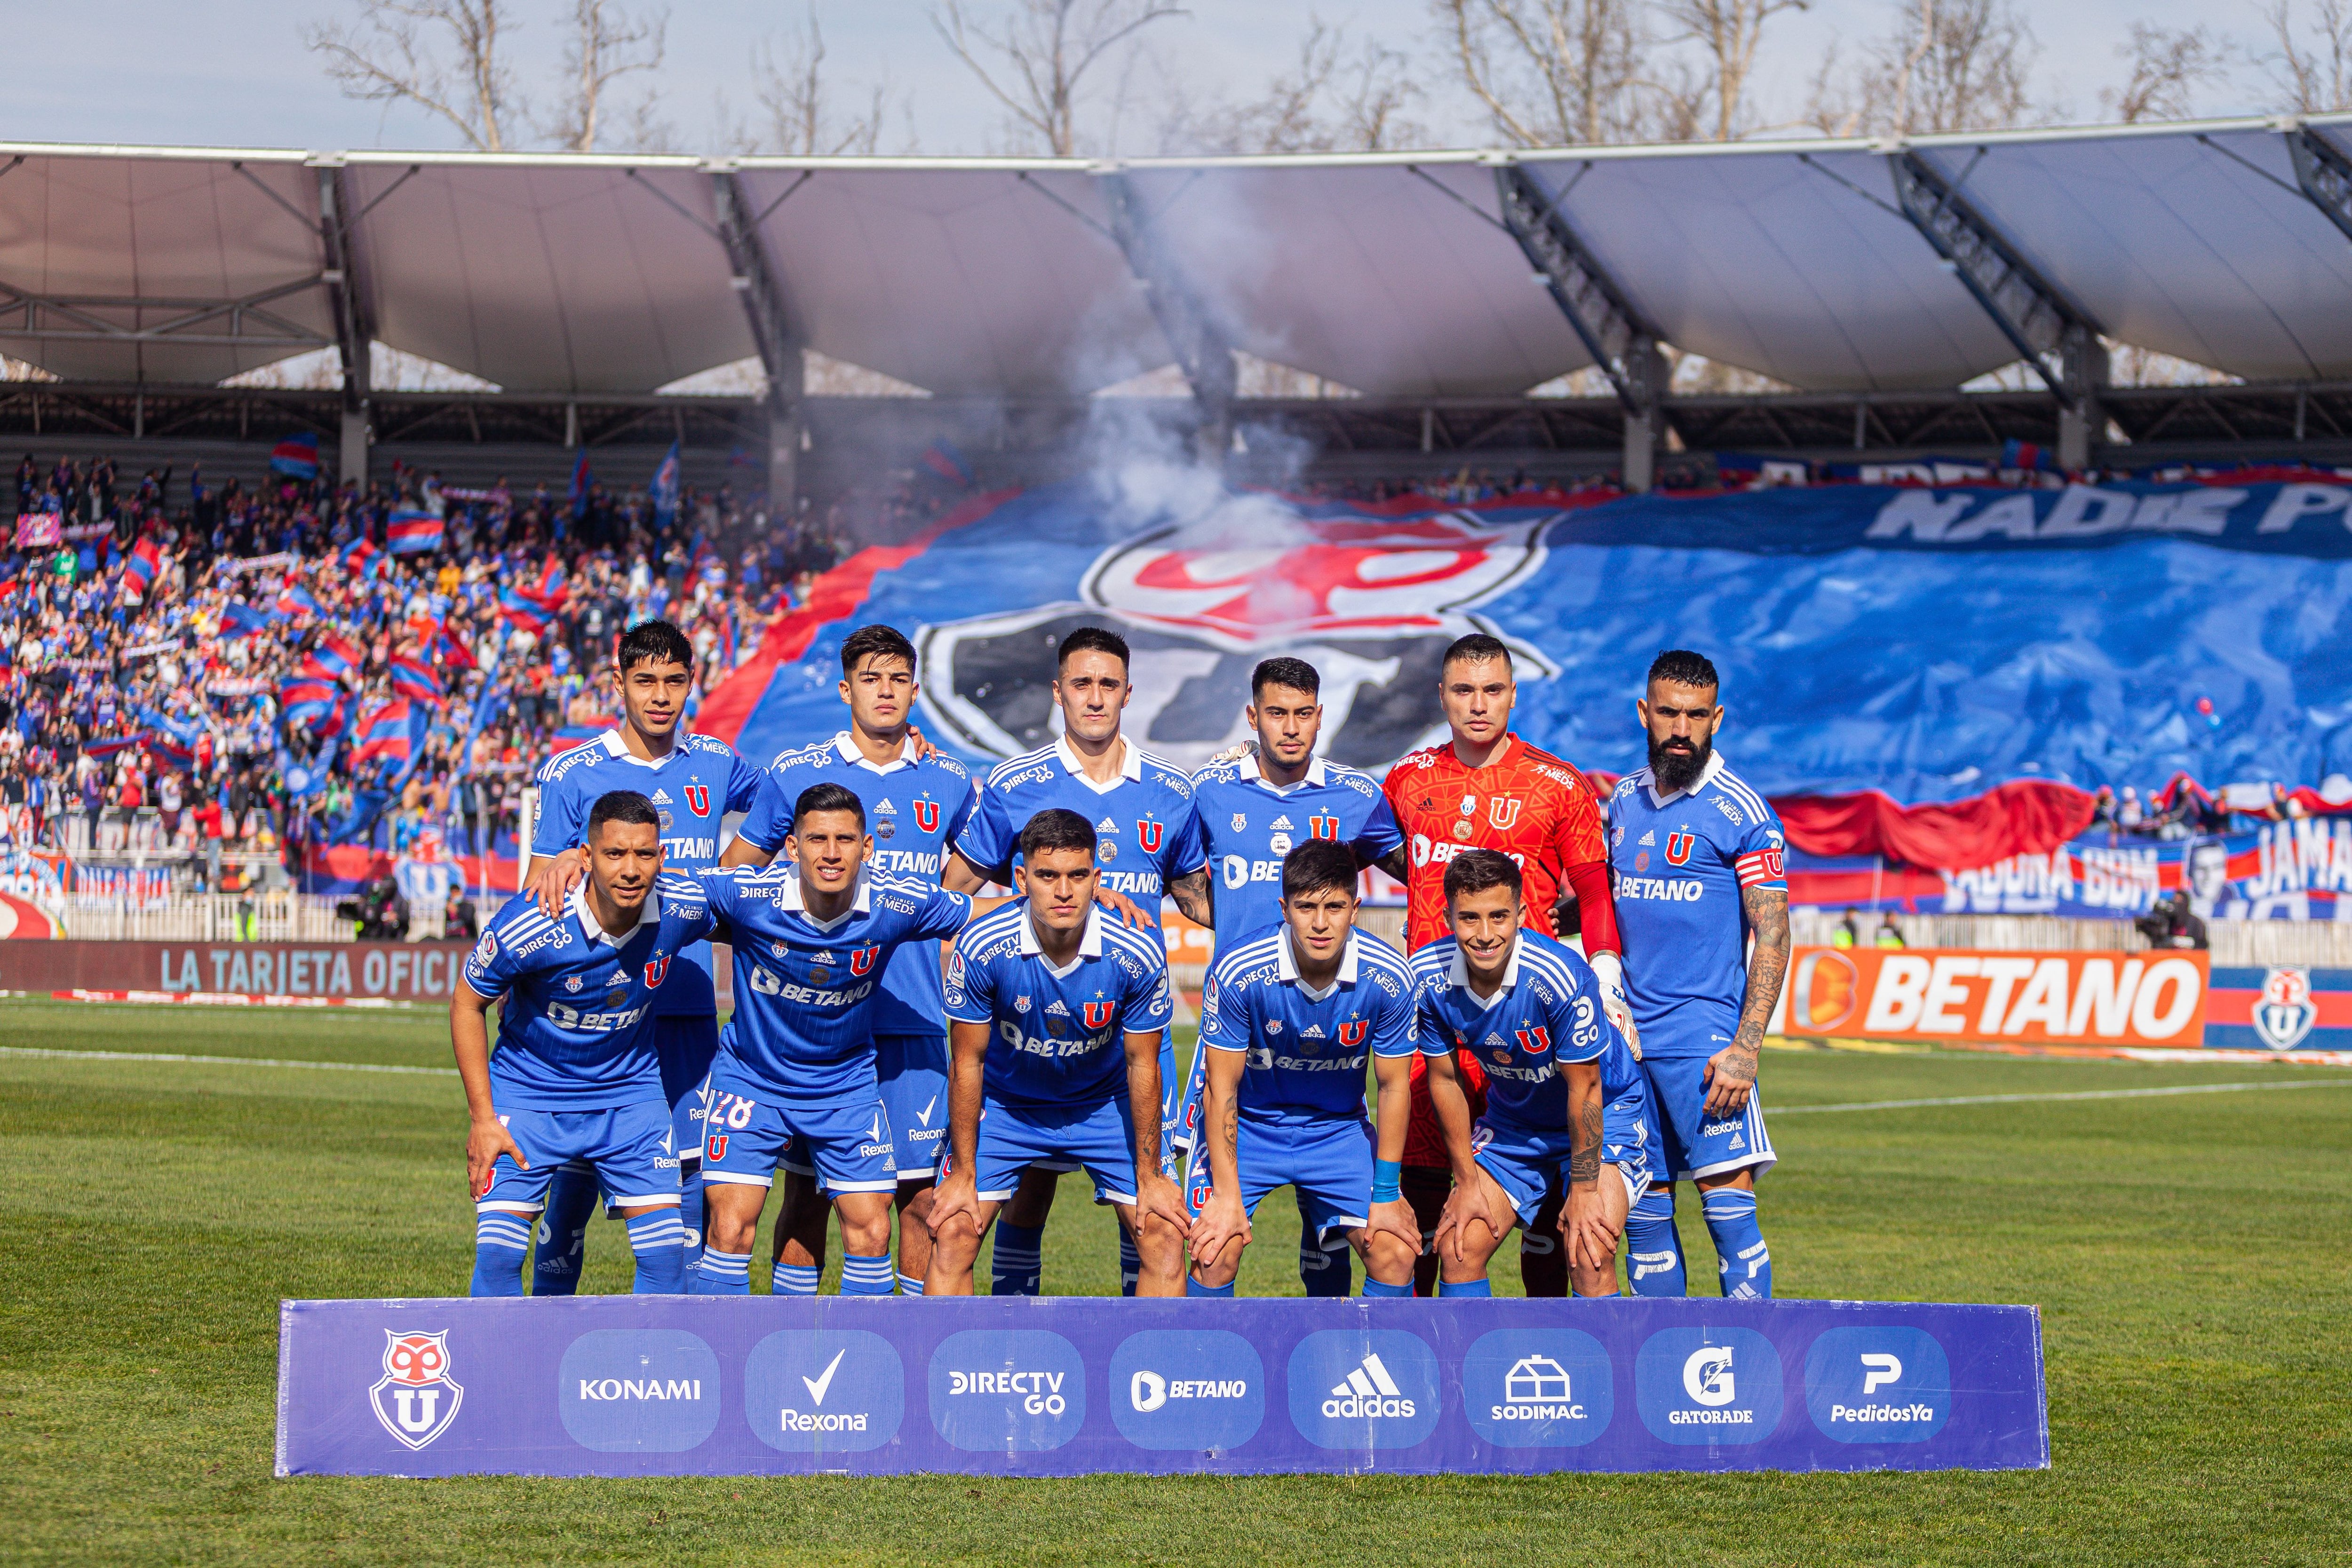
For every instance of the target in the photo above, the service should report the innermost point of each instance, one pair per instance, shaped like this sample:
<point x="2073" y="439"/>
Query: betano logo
<point x="1366" y="1391"/>
<point x="1148" y="1391"/>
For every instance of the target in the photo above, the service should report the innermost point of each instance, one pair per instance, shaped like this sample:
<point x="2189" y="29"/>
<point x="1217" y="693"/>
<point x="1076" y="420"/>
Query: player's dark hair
<point x="1297" y="675"/>
<point x="654" y="642"/>
<point x="1474" y="649"/>
<point x="827" y="797"/>
<point x="1055" y="828"/>
<point x="622" y="806"/>
<point x="1092" y="640"/>
<point x="1681" y="667"/>
<point x="1475" y="871"/>
<point x="875" y="642"/>
<point x="1316" y="865"/>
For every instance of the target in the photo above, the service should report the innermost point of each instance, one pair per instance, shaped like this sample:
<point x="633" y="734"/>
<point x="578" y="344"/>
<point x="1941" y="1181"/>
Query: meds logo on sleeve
<point x="638" y="1391"/>
<point x="1878" y="1385"/>
<point x="823" y="1391"/>
<point x="1007" y="1390"/>
<point x="1538" y="1388"/>
<point x="1363" y="1388"/>
<point x="1200" y="1389"/>
<point x="1708" y="1385"/>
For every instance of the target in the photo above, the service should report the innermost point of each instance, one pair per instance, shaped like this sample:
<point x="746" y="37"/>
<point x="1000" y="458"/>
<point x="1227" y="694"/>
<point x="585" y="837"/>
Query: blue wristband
<point x="1385" y="1179"/>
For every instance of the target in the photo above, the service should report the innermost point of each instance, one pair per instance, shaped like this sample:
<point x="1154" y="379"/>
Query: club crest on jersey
<point x="1678" y="848"/>
<point x="1535" y="1041"/>
<point x="926" y="816"/>
<point x="861" y="959"/>
<point x="1098" y="1014"/>
<point x="2286" y="1013"/>
<point x="1149" y="834"/>
<point x="697" y="799"/>
<point x="416" y="1398"/>
<point x="657" y="972"/>
<point x="1351" y="1033"/>
<point x="1501" y="812"/>
<point x="1323" y="827"/>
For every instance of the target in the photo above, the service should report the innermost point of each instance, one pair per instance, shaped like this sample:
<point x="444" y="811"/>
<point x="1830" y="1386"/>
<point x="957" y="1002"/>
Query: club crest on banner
<point x="2286" y="1013"/>
<point x="416" y="1398"/>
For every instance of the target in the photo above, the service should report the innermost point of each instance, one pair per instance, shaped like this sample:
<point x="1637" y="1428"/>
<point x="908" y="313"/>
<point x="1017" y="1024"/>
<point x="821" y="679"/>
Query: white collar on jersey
<point x="848" y="750"/>
<point x="863" y="903"/>
<point x="1285" y="966"/>
<point x="1090" y="941"/>
<point x="1131" y="764"/>
<point x="1705" y="777"/>
<point x="611" y="741"/>
<point x="1316" y="774"/>
<point x="648" y="912"/>
<point x="1459" y="977"/>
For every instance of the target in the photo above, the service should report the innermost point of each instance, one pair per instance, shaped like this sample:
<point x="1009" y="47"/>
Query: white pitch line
<point x="220" y="1060"/>
<point x="2081" y="1094"/>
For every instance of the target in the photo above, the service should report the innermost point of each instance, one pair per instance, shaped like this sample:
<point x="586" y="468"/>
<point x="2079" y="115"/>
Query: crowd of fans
<point x="192" y="668"/>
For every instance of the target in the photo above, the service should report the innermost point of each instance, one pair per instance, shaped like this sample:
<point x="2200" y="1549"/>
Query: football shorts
<point x="687" y="1047"/>
<point x="750" y="1129"/>
<point x="1328" y="1161"/>
<point x="913" y="1070"/>
<point x="1695" y="1143"/>
<point x="628" y="1149"/>
<point x="1175" y="1135"/>
<point x="1526" y="1162"/>
<point x="1098" y="1139"/>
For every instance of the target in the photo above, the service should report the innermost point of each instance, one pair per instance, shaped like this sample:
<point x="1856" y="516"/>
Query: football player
<point x="1056" y="1013"/>
<point x="1697" y="854"/>
<point x="1287" y="1021"/>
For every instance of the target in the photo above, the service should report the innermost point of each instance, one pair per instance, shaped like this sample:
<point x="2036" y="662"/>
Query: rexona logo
<point x="1199" y="1389"/>
<point x="1878" y="1385"/>
<point x="823" y="1391"/>
<point x="1538" y="1388"/>
<point x="1007" y="1390"/>
<point x="1363" y="1388"/>
<point x="1699" y="1385"/>
<point x="638" y="1391"/>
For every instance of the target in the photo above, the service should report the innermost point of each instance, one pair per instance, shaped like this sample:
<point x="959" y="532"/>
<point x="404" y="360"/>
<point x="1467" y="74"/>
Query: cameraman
<point x="2173" y="924"/>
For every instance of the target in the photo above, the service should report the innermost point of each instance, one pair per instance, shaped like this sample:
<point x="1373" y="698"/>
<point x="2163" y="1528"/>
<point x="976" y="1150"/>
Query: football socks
<point x="1018" y="1261"/>
<point x="1745" y="1261"/>
<point x="1324" y="1270"/>
<point x="562" y="1230"/>
<point x="1466" y="1288"/>
<point x="501" y="1239"/>
<point x="1194" y="1287"/>
<point x="1131" y="1263"/>
<point x="866" y="1276"/>
<point x="721" y="1274"/>
<point x="794" y="1279"/>
<point x="659" y="1242"/>
<point x="1653" y="1252"/>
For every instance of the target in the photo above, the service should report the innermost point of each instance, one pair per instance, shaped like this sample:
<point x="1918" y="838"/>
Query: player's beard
<point x="1676" y="770"/>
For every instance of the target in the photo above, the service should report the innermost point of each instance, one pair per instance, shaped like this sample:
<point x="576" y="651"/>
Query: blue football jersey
<point x="573" y="1031"/>
<point x="1305" y="1050"/>
<point x="699" y="783"/>
<point x="1247" y="825"/>
<point x="806" y="990"/>
<point x="913" y="811"/>
<point x="1679" y="866"/>
<point x="1546" y="1014"/>
<point x="1146" y="832"/>
<point x="1057" y="1042"/>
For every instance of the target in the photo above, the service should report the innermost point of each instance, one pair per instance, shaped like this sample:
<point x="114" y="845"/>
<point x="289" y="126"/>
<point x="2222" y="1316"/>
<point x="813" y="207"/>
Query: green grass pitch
<point x="2188" y="1253"/>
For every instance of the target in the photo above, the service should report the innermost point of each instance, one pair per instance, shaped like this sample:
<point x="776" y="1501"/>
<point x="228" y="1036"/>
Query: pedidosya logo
<point x="638" y="1391"/>
<point x="1708" y="1385"/>
<point x="1538" y="1388"/>
<point x="999" y="1390"/>
<point x="416" y="1398"/>
<point x="1363" y="1388"/>
<point x="823" y="1391"/>
<point x="1878" y="1384"/>
<point x="1200" y="1389"/>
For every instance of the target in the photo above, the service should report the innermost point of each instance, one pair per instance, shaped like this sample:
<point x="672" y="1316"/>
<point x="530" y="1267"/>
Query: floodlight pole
<point x="354" y="332"/>
<point x="1622" y="345"/>
<point x="781" y="354"/>
<point x="1202" y="350"/>
<point x="2039" y="320"/>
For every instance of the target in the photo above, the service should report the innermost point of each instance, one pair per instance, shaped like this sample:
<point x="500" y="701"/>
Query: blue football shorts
<point x="1098" y="1139"/>
<point x="1527" y="1162"/>
<point x="913" y="1070"/>
<point x="628" y="1149"/>
<point x="1330" y="1161"/>
<point x="1174" y="1136"/>
<point x="1695" y="1145"/>
<point x="842" y="1139"/>
<point x="687" y="1047"/>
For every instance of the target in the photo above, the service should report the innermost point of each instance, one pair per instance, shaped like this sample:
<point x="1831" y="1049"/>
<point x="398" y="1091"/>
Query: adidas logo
<point x="1312" y="1032"/>
<point x="1106" y="826"/>
<point x="1493" y="1043"/>
<point x="1649" y="838"/>
<point x="1367" y="1392"/>
<point x="1282" y="824"/>
<point x="661" y="798"/>
<point x="884" y="809"/>
<point x="1055" y="1008"/>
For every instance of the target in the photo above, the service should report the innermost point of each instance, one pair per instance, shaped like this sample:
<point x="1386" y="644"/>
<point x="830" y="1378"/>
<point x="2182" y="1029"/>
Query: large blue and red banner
<point x="621" y="1385"/>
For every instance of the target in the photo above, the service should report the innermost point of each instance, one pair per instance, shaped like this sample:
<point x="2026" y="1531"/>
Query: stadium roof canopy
<point x="1831" y="266"/>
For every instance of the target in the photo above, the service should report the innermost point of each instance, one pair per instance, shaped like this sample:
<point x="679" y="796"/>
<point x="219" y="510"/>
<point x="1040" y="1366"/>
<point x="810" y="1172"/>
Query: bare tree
<point x="607" y="44"/>
<point x="1336" y="100"/>
<point x="1724" y="35"/>
<point x="394" y="53"/>
<point x="2168" y="68"/>
<point x="1036" y="57"/>
<point x="1552" y="71"/>
<point x="2313" y="76"/>
<point x="1948" y="65"/>
<point x="800" y="119"/>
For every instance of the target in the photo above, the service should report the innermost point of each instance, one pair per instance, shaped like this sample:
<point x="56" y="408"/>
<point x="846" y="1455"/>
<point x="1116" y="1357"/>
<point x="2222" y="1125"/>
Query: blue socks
<point x="1017" y="1261"/>
<point x="689" y="1215"/>
<point x="721" y="1274"/>
<point x="659" y="1242"/>
<point x="501" y="1239"/>
<point x="795" y="1279"/>
<point x="571" y="1205"/>
<point x="1324" y="1270"/>
<point x="1194" y="1287"/>
<point x="1131" y="1263"/>
<point x="1746" y="1262"/>
<point x="866" y="1276"/>
<point x="910" y="1286"/>
<point x="1653" y="1252"/>
<point x="1466" y="1288"/>
<point x="1375" y="1288"/>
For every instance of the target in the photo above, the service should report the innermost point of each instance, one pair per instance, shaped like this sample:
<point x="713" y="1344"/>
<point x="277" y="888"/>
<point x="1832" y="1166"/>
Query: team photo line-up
<point x="1560" y="1088"/>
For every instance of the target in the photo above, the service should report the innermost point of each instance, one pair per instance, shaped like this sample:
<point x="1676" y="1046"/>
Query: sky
<point x="237" y="73"/>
